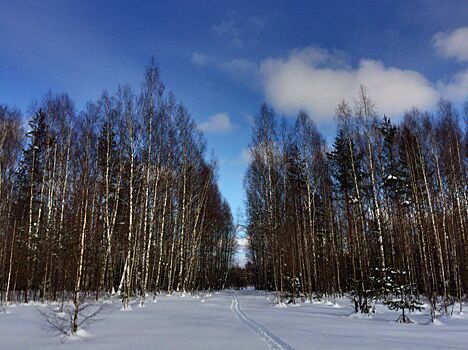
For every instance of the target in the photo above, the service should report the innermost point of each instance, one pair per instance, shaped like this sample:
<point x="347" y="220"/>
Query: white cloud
<point x="219" y="123"/>
<point x="457" y="88"/>
<point x="200" y="59"/>
<point x="316" y="80"/>
<point x="453" y="44"/>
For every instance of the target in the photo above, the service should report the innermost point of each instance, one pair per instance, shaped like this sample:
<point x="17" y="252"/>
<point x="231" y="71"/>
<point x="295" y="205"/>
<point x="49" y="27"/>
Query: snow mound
<point x="281" y="305"/>
<point x="437" y="322"/>
<point x="79" y="335"/>
<point x="360" y="316"/>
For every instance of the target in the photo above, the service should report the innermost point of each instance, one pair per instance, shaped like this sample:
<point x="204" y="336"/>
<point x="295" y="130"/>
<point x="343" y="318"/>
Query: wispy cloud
<point x="237" y="31"/>
<point x="231" y="30"/>
<point x="200" y="59"/>
<point x="228" y="27"/>
<point x="259" y="23"/>
<point x="239" y="66"/>
<point x="244" y="158"/>
<point x="241" y="70"/>
<point x="453" y="44"/>
<point x="219" y="123"/>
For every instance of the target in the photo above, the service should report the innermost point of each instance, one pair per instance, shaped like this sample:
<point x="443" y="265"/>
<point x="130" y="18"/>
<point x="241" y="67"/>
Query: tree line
<point x="117" y="197"/>
<point x="383" y="197"/>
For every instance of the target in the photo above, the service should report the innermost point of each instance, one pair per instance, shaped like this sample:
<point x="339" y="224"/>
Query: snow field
<point x="235" y="320"/>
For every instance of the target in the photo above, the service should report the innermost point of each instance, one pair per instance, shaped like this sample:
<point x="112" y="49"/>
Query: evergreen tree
<point x="403" y="295"/>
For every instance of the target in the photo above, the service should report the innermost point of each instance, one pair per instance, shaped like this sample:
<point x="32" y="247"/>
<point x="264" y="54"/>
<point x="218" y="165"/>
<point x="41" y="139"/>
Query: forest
<point x="117" y="198"/>
<point x="198" y="175"/>
<point x="381" y="211"/>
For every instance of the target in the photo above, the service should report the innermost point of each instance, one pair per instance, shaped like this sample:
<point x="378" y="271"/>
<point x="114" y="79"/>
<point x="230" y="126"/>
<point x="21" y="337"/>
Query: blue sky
<point x="224" y="58"/>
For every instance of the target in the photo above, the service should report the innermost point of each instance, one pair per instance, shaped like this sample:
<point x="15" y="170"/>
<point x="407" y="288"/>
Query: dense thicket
<point x="116" y="197"/>
<point x="333" y="219"/>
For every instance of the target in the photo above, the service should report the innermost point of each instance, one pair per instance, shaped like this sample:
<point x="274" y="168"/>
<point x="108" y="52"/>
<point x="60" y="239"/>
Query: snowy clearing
<point x="236" y="320"/>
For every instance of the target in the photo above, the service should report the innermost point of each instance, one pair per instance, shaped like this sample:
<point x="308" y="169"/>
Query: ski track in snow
<point x="273" y="341"/>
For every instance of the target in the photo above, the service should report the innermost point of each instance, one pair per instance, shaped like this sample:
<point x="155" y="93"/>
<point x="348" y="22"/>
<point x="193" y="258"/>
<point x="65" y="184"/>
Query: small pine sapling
<point x="361" y="297"/>
<point x="405" y="296"/>
<point x="293" y="287"/>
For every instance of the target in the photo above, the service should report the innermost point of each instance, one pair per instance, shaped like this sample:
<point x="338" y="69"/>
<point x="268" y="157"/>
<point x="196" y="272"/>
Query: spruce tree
<point x="404" y="295"/>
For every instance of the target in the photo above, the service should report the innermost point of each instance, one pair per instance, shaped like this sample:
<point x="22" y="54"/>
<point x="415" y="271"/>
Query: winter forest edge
<point x="120" y="199"/>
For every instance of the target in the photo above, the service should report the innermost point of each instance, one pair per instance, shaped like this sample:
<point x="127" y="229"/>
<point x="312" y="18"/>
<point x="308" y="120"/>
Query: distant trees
<point x="11" y="141"/>
<point x="382" y="196"/>
<point x="118" y="197"/>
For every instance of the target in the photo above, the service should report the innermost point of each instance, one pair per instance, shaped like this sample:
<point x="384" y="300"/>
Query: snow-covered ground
<point x="242" y="320"/>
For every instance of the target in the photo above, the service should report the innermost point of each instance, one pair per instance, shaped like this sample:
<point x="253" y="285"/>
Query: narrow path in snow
<point x="273" y="341"/>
